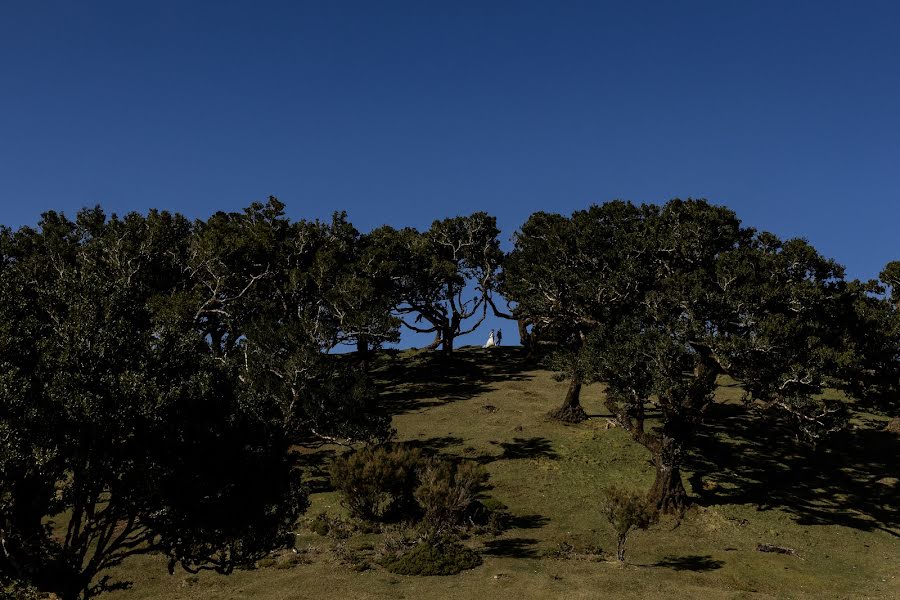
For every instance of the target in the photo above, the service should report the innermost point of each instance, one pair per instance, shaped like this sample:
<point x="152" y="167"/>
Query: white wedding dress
<point x="490" y="342"/>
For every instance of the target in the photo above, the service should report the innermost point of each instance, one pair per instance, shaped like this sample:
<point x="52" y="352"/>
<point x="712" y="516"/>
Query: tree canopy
<point x="154" y="374"/>
<point x="445" y="275"/>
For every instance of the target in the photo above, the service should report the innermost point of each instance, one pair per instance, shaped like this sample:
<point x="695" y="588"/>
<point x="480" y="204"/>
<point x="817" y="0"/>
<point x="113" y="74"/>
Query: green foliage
<point x="154" y="374"/>
<point x="446" y="492"/>
<point x="324" y="524"/>
<point x="569" y="276"/>
<point x="446" y="275"/>
<point x="626" y="511"/>
<point x="17" y="590"/>
<point x="656" y="301"/>
<point x="432" y="559"/>
<point x="377" y="483"/>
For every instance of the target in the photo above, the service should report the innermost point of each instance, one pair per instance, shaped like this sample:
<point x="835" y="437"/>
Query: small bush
<point x="353" y="558"/>
<point x="334" y="527"/>
<point x="489" y="516"/>
<point x="17" y="590"/>
<point x="265" y="563"/>
<point x="625" y="511"/>
<point x="446" y="492"/>
<point x="377" y="483"/>
<point x="432" y="559"/>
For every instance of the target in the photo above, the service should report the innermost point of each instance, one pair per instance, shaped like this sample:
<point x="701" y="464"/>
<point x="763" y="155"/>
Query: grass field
<point x="752" y="485"/>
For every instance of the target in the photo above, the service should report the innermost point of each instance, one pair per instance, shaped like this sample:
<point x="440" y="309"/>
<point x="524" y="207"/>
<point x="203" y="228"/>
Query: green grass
<point x="838" y="509"/>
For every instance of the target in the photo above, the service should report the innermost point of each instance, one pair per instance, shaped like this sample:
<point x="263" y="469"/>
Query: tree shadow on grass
<point x="527" y="521"/>
<point x="852" y="482"/>
<point x="314" y="464"/>
<point x="414" y="383"/>
<point x="533" y="447"/>
<point x="690" y="563"/>
<point x="434" y="443"/>
<point x="511" y="548"/>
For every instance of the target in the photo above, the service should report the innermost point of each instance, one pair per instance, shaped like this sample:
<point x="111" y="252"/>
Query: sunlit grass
<point x="838" y="511"/>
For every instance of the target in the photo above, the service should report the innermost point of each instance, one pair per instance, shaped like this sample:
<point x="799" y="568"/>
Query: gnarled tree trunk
<point x="437" y="342"/>
<point x="363" y="352"/>
<point x="571" y="410"/>
<point x="447" y="342"/>
<point x="668" y="493"/>
<point x="620" y="546"/>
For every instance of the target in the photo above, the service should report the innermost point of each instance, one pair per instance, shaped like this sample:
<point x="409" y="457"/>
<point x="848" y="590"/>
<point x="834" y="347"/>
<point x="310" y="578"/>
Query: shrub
<point x="446" y="492"/>
<point x="626" y="510"/>
<point x="377" y="483"/>
<point x="354" y="558"/>
<point x="432" y="559"/>
<point x="489" y="516"/>
<point x="11" y="589"/>
<point x="335" y="527"/>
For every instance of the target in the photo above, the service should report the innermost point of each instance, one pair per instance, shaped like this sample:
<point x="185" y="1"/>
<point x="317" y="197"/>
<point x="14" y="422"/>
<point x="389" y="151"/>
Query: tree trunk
<point x="524" y="335"/>
<point x="620" y="546"/>
<point x="362" y="352"/>
<point x="437" y="342"/>
<point x="449" y="335"/>
<point x="668" y="493"/>
<point x="571" y="411"/>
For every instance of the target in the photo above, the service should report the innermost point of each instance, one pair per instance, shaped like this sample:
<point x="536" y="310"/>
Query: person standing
<point x="499" y="337"/>
<point x="490" y="341"/>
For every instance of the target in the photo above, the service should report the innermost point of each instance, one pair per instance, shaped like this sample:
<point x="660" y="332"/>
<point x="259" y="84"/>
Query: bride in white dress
<point x="490" y="341"/>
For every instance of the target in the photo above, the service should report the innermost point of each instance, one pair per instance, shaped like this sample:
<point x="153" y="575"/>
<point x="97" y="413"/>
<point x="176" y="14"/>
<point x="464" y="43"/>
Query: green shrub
<point x="446" y="492"/>
<point x="377" y="483"/>
<point x="335" y="527"/>
<point x="354" y="558"/>
<point x="489" y="516"/>
<point x="625" y="511"/>
<point x="11" y="589"/>
<point x="432" y="559"/>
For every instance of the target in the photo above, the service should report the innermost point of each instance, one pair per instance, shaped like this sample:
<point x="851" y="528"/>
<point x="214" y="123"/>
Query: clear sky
<point x="400" y="113"/>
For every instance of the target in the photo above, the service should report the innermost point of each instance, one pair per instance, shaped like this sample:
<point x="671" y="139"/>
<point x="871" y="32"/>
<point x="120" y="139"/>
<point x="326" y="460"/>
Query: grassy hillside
<point x="837" y="509"/>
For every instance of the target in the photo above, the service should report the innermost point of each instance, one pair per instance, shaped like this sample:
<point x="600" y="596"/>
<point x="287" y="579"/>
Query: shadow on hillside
<point x="314" y="465"/>
<point x="511" y="548"/>
<point x="533" y="447"/>
<point x="690" y="563"/>
<point x="414" y="383"/>
<point x="527" y="521"/>
<point x="434" y="443"/>
<point x="851" y="483"/>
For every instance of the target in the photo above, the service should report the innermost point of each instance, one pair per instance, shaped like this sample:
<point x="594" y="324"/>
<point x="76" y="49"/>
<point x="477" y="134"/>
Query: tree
<point x="569" y="275"/>
<point x="120" y="425"/>
<point x="274" y="299"/>
<point x="890" y="277"/>
<point x="154" y="375"/>
<point x="874" y="371"/>
<point x="358" y="281"/>
<point x="446" y="275"/>
<point x="718" y="298"/>
<point x="626" y="511"/>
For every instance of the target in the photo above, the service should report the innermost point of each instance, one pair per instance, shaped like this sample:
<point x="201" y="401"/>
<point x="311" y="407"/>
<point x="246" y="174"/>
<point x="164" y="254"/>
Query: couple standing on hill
<point x="492" y="340"/>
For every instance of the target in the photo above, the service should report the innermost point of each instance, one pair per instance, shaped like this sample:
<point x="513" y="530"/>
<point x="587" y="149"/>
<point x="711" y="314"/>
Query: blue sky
<point x="400" y="113"/>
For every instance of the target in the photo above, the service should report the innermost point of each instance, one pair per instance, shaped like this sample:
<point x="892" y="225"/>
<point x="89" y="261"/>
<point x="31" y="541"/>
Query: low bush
<point x="446" y="492"/>
<point x="17" y="590"/>
<point x="377" y="483"/>
<point x="432" y="559"/>
<point x="335" y="527"/>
